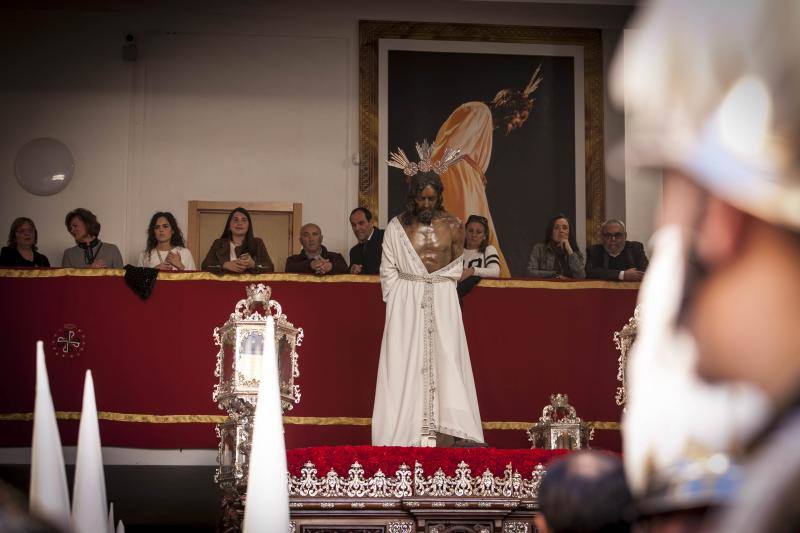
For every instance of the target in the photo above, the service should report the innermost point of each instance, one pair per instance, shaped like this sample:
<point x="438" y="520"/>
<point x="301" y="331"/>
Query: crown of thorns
<point x="425" y="150"/>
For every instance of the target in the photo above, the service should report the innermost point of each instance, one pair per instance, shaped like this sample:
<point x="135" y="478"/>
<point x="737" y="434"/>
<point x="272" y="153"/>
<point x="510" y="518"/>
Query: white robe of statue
<point x="425" y="382"/>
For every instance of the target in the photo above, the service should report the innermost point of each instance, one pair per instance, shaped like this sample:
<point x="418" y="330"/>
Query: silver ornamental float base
<point x="409" y="501"/>
<point x="404" y="502"/>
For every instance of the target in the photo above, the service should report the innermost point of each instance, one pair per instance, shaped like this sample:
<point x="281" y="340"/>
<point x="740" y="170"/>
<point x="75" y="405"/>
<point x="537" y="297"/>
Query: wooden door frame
<point x="197" y="207"/>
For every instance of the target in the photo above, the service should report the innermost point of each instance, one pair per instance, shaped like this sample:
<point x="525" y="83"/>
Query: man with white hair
<point x="616" y="258"/>
<point x="713" y="88"/>
<point x="314" y="258"/>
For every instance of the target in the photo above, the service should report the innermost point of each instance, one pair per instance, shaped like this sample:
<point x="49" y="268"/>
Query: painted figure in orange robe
<point x="470" y="128"/>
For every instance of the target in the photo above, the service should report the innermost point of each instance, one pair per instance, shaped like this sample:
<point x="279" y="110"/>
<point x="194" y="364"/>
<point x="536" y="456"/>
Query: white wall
<point x="241" y="101"/>
<point x="643" y="190"/>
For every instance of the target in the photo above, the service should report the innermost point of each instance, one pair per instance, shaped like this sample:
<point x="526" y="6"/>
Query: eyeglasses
<point x="613" y="235"/>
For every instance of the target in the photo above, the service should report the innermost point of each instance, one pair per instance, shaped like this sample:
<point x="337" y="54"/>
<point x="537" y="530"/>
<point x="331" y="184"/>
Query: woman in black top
<point x="21" y="249"/>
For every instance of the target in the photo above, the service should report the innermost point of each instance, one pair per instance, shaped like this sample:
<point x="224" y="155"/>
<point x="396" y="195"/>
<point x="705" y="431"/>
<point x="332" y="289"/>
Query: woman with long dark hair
<point x="21" y="249"/>
<point x="237" y="250"/>
<point x="558" y="255"/>
<point x="165" y="247"/>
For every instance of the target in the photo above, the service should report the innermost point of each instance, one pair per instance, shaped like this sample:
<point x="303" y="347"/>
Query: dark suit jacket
<point x="600" y="265"/>
<point x="368" y="253"/>
<point x="10" y="257"/>
<point x="220" y="252"/>
<point x="301" y="264"/>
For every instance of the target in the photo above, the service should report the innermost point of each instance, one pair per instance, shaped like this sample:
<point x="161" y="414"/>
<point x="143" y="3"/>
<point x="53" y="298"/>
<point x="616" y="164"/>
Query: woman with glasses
<point x="558" y="255"/>
<point x="21" y="249"/>
<point x="165" y="247"/>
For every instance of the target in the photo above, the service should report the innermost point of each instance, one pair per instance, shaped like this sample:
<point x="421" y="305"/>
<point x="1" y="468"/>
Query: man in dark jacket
<point x="315" y="258"/>
<point x="365" y="257"/>
<point x="616" y="258"/>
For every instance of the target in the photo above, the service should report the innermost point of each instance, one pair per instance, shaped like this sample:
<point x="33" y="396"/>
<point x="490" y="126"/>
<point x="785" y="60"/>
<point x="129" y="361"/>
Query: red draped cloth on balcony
<point x="153" y="361"/>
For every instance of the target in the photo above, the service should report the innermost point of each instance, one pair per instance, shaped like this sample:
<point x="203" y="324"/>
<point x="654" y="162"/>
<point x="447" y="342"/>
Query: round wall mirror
<point x="44" y="166"/>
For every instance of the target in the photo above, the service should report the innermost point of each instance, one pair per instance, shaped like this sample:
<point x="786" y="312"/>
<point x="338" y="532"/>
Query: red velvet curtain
<point x="156" y="357"/>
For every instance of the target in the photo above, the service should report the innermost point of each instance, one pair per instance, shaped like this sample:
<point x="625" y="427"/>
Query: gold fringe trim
<point x="557" y="285"/>
<point x="616" y="426"/>
<point x="340" y="278"/>
<point x="123" y="417"/>
<point x="293" y="420"/>
<point x="527" y="425"/>
<point x="61" y="272"/>
<point x="185" y="276"/>
<point x="326" y="421"/>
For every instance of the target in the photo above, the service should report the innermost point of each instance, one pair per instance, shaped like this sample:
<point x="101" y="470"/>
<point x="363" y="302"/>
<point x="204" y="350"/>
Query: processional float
<point x="398" y="502"/>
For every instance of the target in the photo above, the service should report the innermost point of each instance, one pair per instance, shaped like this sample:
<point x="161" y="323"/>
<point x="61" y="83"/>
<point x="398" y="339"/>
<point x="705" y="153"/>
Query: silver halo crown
<point x="425" y="150"/>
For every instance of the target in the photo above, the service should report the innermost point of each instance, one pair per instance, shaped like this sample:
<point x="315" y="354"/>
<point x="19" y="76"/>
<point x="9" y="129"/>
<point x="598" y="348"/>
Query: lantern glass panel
<point x="227" y="362"/>
<point x="250" y="350"/>
<point x="285" y="364"/>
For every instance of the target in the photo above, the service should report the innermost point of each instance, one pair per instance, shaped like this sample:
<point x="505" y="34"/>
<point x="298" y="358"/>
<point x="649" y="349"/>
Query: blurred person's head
<point x="239" y="229"/>
<point x="361" y="223"/>
<point x="559" y="229"/>
<point x="476" y="234"/>
<point x="15" y="516"/>
<point x="613" y="235"/>
<point x="585" y="492"/>
<point x="23" y="234"/>
<point x="82" y="224"/>
<point x="163" y="229"/>
<point x="311" y="239"/>
<point x="238" y="225"/>
<point x="712" y="92"/>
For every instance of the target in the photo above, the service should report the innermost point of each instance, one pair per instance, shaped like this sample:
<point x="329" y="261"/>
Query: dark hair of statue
<point x="248" y="245"/>
<point x="416" y="185"/>
<point x="483" y="222"/>
<point x="87" y="217"/>
<point x="12" y="234"/>
<point x="177" y="235"/>
<point x="548" y="231"/>
<point x="367" y="213"/>
<point x="507" y="103"/>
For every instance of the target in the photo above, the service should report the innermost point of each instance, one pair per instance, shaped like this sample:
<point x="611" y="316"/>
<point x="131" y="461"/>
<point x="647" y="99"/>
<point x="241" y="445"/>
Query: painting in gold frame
<point x="448" y="43"/>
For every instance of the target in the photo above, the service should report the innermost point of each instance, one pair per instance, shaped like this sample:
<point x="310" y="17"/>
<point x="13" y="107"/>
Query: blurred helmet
<point x="713" y="90"/>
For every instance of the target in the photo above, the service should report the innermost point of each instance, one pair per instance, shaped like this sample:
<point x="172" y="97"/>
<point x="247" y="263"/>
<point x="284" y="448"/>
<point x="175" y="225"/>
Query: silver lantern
<point x="624" y="339"/>
<point x="241" y="344"/>
<point x="559" y="427"/>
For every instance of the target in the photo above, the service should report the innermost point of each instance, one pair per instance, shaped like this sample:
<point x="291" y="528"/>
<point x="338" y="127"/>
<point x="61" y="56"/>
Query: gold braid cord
<point x="340" y="278"/>
<point x="289" y="420"/>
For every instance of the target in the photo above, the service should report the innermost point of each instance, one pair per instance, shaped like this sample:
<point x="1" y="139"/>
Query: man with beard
<point x="616" y="258"/>
<point x="425" y="392"/>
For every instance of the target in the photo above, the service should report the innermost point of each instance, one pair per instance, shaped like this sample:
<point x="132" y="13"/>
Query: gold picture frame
<point x="372" y="32"/>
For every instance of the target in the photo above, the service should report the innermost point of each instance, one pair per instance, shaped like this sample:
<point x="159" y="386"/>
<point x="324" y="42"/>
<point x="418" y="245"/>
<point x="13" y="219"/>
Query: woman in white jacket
<point x="165" y="247"/>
